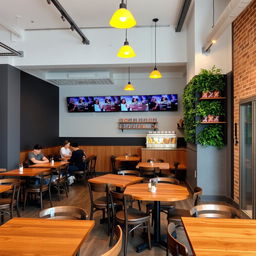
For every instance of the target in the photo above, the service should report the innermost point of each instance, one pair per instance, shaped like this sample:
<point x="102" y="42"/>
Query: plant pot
<point x="216" y="94"/>
<point x="211" y="118"/>
<point x="205" y="119"/>
<point x="205" y="94"/>
<point x="216" y="119"/>
<point x="211" y="94"/>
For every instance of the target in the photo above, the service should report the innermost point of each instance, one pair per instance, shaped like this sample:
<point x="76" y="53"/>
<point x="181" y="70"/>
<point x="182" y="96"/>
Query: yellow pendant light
<point x="155" y="74"/>
<point x="126" y="50"/>
<point x="129" y="86"/>
<point x="122" y="18"/>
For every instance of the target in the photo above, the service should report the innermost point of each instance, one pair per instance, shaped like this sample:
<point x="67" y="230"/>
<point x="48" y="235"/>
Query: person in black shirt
<point x="77" y="159"/>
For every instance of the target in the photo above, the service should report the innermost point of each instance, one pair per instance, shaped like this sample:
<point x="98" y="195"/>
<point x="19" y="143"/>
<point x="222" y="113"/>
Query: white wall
<point x="105" y="124"/>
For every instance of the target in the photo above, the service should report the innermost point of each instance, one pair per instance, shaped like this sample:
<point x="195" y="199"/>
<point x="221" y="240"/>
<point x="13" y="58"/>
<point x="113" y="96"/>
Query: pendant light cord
<point x="129" y="74"/>
<point x="126" y="34"/>
<point x="155" y="44"/>
<point x="213" y="8"/>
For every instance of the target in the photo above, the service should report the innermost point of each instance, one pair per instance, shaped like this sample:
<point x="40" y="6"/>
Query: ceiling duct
<point x="231" y="12"/>
<point x="80" y="78"/>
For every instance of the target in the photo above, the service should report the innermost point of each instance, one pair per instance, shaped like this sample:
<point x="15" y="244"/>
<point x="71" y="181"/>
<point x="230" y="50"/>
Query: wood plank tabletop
<point x="116" y="180"/>
<point x="24" y="236"/>
<point x="222" y="237"/>
<point x="27" y="172"/>
<point x="128" y="158"/>
<point x="49" y="165"/>
<point x="4" y="188"/>
<point x="164" y="192"/>
<point x="161" y="166"/>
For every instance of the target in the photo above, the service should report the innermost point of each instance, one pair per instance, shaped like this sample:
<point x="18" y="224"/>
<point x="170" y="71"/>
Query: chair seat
<point x="36" y="188"/>
<point x="134" y="215"/>
<point x="176" y="214"/>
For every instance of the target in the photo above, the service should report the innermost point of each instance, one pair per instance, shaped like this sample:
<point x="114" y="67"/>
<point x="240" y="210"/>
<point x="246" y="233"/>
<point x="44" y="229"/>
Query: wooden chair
<point x="61" y="182"/>
<point x="82" y="174"/>
<point x="128" y="217"/>
<point x="116" y="249"/>
<point x="7" y="204"/>
<point x="149" y="172"/>
<point x="100" y="203"/>
<point x="44" y="186"/>
<point x="129" y="172"/>
<point x="215" y="211"/>
<point x="173" y="245"/>
<point x="92" y="166"/>
<point x="64" y="212"/>
<point x="113" y="164"/>
<point x="175" y="214"/>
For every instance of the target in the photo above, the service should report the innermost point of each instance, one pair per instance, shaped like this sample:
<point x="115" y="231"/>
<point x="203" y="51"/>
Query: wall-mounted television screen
<point x="134" y="103"/>
<point x="163" y="102"/>
<point x="128" y="103"/>
<point x="107" y="104"/>
<point x="80" y="104"/>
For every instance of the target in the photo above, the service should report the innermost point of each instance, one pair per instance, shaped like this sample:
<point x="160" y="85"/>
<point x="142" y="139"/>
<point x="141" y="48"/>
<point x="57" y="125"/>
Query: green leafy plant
<point x="212" y="135"/>
<point x="205" y="108"/>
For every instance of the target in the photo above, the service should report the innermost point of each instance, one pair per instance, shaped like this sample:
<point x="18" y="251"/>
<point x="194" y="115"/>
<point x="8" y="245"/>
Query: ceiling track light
<point x="11" y="52"/>
<point x="155" y="74"/>
<point x="126" y="51"/>
<point x="122" y="18"/>
<point x="129" y="86"/>
<point x="65" y="16"/>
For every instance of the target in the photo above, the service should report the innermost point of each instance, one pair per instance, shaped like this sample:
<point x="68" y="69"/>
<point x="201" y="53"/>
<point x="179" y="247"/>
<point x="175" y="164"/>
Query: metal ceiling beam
<point x="11" y="52"/>
<point x="183" y="15"/>
<point x="65" y="16"/>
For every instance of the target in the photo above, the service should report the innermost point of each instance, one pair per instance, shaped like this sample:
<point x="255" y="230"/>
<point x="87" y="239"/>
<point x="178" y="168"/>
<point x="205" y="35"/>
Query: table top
<point x="27" y="172"/>
<point x="50" y="165"/>
<point x="222" y="237"/>
<point x="128" y="158"/>
<point x="116" y="180"/>
<point x="165" y="192"/>
<point x="24" y="236"/>
<point x="161" y="166"/>
<point x="4" y="188"/>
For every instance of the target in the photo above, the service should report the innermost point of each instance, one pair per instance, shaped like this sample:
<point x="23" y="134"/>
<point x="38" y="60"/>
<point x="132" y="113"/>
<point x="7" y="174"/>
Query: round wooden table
<point x="165" y="193"/>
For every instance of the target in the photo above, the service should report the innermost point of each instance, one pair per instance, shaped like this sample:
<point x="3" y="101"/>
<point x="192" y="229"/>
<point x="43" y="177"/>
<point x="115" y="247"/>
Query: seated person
<point x="36" y="156"/>
<point x="77" y="159"/>
<point x="65" y="151"/>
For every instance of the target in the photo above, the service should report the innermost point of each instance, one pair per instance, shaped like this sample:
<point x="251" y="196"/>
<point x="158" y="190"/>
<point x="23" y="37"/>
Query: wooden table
<point x="128" y="158"/>
<point x="161" y="166"/>
<point x="121" y="181"/>
<point x="27" y="172"/>
<point x="50" y="165"/>
<point x="221" y="237"/>
<point x="4" y="188"/>
<point x="24" y="236"/>
<point x="164" y="193"/>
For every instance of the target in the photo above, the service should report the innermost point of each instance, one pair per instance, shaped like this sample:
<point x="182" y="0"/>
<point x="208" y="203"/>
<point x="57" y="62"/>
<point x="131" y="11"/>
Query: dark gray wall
<point x="9" y="116"/>
<point x="39" y="112"/>
<point x="191" y="178"/>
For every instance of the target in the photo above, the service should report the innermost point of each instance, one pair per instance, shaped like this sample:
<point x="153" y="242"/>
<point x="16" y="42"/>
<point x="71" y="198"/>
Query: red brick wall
<point x="244" y="61"/>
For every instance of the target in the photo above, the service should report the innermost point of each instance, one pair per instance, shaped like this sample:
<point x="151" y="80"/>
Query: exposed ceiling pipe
<point x="183" y="15"/>
<point x="231" y="12"/>
<point x="11" y="52"/>
<point x="65" y="16"/>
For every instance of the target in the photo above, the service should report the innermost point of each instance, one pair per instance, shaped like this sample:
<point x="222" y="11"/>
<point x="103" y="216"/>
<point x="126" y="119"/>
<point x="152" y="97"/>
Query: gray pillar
<point x="9" y="116"/>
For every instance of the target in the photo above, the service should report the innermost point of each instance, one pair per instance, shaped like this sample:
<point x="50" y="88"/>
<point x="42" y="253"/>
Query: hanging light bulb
<point x="122" y="18"/>
<point x="129" y="86"/>
<point x="126" y="50"/>
<point x="155" y="74"/>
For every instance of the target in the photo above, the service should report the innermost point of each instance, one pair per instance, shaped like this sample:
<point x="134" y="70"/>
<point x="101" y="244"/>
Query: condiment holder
<point x="152" y="185"/>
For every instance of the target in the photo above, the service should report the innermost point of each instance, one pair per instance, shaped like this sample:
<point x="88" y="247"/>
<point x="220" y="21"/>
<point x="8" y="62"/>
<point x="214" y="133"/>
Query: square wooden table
<point x="55" y="165"/>
<point x="24" y="236"/>
<point x="4" y="188"/>
<point x="121" y="181"/>
<point x="128" y="158"/>
<point x="161" y="166"/>
<point x="221" y="237"/>
<point x="27" y="172"/>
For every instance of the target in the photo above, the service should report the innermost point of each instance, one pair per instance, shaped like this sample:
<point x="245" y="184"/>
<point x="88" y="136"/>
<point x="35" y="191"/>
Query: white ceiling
<point x="38" y="14"/>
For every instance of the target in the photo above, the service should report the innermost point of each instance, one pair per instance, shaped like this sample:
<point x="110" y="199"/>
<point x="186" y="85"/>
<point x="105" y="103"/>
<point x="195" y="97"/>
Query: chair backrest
<point x="96" y="187"/>
<point x="148" y="171"/>
<point x="116" y="249"/>
<point x="197" y="195"/>
<point x="115" y="198"/>
<point x="64" y="212"/>
<point x="151" y="160"/>
<point x="215" y="211"/>
<point x="45" y="178"/>
<point x="129" y="172"/>
<point x="92" y="163"/>
<point x="113" y="163"/>
<point x="173" y="245"/>
<point x="168" y="180"/>
<point x="15" y="189"/>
